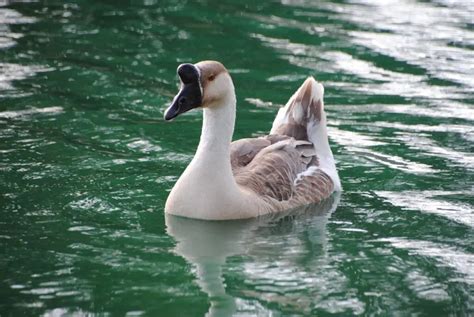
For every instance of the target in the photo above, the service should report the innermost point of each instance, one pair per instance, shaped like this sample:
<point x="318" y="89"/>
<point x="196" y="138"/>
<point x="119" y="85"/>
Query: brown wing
<point x="286" y="171"/>
<point x="313" y="187"/>
<point x="272" y="172"/>
<point x="243" y="151"/>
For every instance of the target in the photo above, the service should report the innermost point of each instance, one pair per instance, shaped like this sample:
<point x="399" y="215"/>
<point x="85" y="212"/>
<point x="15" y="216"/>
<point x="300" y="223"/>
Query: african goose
<point x="291" y="167"/>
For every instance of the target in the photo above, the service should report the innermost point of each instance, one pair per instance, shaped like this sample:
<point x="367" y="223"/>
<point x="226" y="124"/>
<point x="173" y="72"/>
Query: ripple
<point x="173" y="157"/>
<point x="7" y="18"/>
<point x="442" y="110"/>
<point x="425" y="287"/>
<point x="10" y="16"/>
<point x="10" y="72"/>
<point x="429" y="147"/>
<point x="451" y="128"/>
<point x="453" y="110"/>
<point x="342" y="62"/>
<point x="259" y="103"/>
<point x="430" y="202"/>
<point x="286" y="78"/>
<point x="299" y="54"/>
<point x="143" y="146"/>
<point x="446" y="255"/>
<point x="93" y="204"/>
<point x="350" y="137"/>
<point x="421" y="41"/>
<point x="56" y="312"/>
<point x="359" y="143"/>
<point x="30" y="112"/>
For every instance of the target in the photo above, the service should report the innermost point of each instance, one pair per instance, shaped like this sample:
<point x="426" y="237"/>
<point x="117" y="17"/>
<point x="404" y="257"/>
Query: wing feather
<point x="244" y="150"/>
<point x="285" y="171"/>
<point x="285" y="166"/>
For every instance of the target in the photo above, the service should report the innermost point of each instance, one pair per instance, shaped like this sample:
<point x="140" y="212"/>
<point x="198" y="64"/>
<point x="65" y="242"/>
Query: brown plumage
<point x="283" y="167"/>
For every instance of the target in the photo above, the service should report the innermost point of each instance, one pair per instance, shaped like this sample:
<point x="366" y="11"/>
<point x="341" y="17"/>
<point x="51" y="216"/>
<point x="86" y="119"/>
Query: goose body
<point x="291" y="167"/>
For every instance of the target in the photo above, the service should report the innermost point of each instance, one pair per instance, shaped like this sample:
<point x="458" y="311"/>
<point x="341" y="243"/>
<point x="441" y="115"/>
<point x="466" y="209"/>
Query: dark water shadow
<point x="207" y="244"/>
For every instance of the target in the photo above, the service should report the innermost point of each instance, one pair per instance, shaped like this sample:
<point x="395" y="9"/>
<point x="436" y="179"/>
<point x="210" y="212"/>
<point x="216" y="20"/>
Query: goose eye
<point x="212" y="77"/>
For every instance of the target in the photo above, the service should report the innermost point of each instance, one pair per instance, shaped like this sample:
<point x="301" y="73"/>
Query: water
<point x="87" y="160"/>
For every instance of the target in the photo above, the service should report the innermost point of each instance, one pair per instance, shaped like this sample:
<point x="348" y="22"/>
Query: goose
<point x="290" y="167"/>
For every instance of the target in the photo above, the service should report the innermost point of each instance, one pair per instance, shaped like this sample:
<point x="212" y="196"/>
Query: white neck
<point x="216" y="136"/>
<point x="207" y="188"/>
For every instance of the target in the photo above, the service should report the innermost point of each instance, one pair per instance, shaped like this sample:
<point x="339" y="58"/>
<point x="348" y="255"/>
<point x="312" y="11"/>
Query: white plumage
<point x="290" y="167"/>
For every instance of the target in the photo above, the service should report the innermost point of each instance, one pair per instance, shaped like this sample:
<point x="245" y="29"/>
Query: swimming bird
<point x="292" y="166"/>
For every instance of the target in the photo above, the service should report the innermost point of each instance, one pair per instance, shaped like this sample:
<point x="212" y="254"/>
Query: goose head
<point x="205" y="84"/>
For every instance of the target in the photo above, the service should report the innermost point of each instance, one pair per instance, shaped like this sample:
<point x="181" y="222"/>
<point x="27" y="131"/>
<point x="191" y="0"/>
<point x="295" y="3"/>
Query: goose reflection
<point x="207" y="244"/>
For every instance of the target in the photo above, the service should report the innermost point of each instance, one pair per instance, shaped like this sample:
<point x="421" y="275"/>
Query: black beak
<point x="189" y="96"/>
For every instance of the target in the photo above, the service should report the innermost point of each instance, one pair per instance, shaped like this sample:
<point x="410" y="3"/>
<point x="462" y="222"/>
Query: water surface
<point x="87" y="161"/>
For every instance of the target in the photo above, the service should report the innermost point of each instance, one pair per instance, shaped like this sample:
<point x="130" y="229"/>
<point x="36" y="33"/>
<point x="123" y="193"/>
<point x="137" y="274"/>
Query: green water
<point x="87" y="161"/>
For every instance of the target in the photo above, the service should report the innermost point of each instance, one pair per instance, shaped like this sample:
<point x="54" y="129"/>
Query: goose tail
<point x="303" y="118"/>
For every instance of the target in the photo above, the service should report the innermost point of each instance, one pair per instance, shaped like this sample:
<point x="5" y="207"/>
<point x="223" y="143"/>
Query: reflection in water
<point x="207" y="245"/>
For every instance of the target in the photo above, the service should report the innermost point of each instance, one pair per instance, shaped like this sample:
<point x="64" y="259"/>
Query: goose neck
<point x="217" y="129"/>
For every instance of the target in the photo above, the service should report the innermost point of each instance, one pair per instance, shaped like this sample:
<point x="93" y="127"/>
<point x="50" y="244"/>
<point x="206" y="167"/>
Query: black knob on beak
<point x="190" y="95"/>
